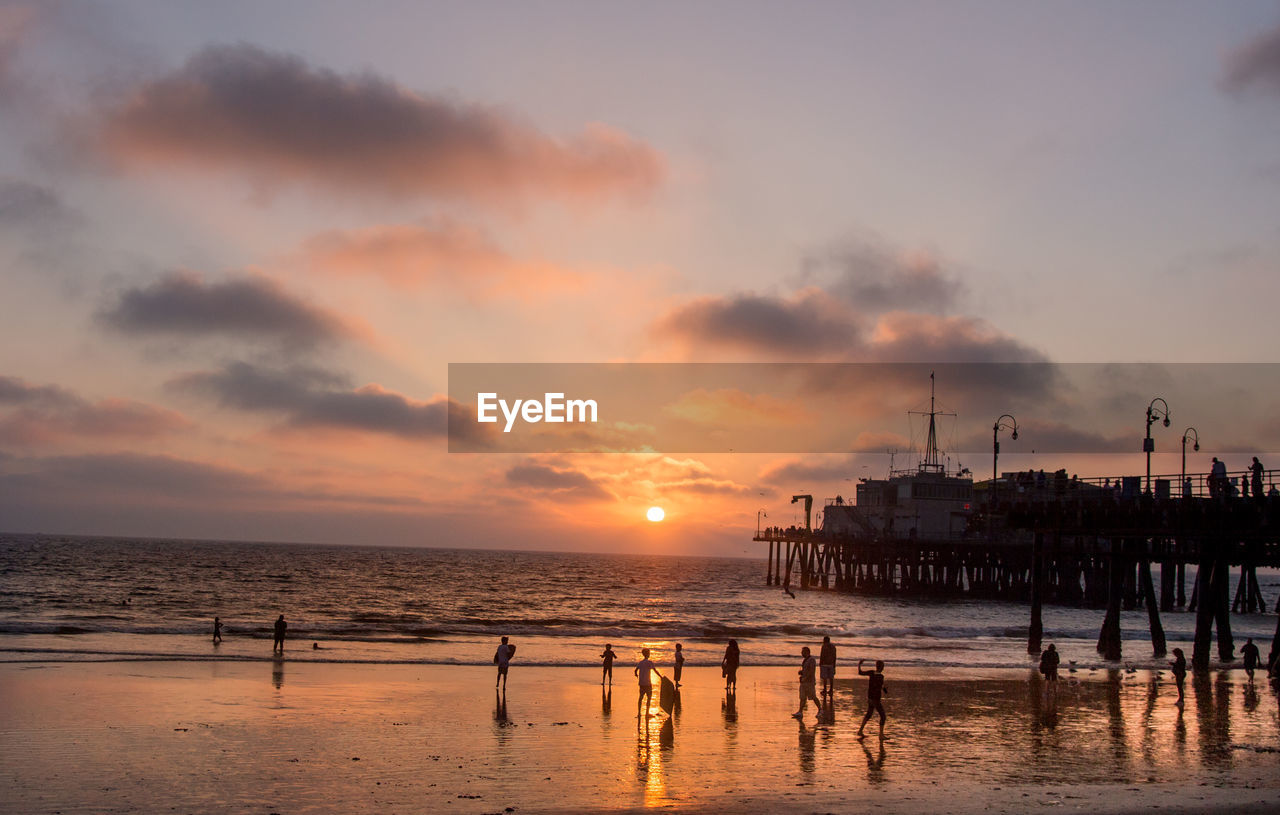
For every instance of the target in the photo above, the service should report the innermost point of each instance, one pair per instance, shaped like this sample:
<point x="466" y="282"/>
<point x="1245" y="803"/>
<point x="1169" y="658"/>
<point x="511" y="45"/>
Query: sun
<point x="655" y="514"/>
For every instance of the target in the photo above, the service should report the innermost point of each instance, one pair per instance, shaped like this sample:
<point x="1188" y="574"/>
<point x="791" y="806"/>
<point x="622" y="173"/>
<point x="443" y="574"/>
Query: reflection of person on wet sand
<point x="875" y="690"/>
<point x="606" y="700"/>
<point x="608" y="656"/>
<point x="643" y="669"/>
<point x="278" y="641"/>
<point x="729" y="665"/>
<point x="875" y="764"/>
<point x="217" y="630"/>
<point x="1179" y="667"/>
<point x="277" y="670"/>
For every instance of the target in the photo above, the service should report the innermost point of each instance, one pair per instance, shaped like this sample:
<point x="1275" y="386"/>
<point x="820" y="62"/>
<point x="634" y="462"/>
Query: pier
<point x="1039" y="539"/>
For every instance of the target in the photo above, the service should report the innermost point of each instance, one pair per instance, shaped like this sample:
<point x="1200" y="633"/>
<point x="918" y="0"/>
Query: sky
<point x="241" y="243"/>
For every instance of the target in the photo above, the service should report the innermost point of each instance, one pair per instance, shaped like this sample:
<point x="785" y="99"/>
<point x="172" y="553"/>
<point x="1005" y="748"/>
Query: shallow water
<point x="60" y="598"/>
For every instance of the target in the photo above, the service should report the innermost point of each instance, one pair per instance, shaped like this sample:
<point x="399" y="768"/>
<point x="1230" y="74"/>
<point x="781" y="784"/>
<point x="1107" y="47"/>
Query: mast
<point x="932" y="461"/>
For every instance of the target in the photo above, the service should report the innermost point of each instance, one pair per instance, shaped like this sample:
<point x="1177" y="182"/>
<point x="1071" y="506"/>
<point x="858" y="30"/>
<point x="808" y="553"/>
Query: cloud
<point x="31" y="207"/>
<point x="282" y="120"/>
<point x="183" y="304"/>
<point x="430" y="252"/>
<point x="1255" y="64"/>
<point x="808" y="323"/>
<point x="562" y="483"/>
<point x="40" y="414"/>
<point x="874" y="280"/>
<point x="16" y="20"/>
<point x="903" y="337"/>
<point x="315" y="398"/>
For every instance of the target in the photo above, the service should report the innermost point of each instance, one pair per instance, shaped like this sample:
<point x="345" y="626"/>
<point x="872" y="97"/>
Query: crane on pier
<point x="808" y="508"/>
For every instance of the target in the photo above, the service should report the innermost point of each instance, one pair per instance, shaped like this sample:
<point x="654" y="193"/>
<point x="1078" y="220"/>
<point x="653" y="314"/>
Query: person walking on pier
<point x="608" y="656"/>
<point x="502" y="658"/>
<point x="827" y="667"/>
<point x="1251" y="656"/>
<point x="729" y="666"/>
<point x="807" y="669"/>
<point x="1217" y="478"/>
<point x="679" y="663"/>
<point x="875" y="693"/>
<point x="1255" y="476"/>
<point x="1179" y="666"/>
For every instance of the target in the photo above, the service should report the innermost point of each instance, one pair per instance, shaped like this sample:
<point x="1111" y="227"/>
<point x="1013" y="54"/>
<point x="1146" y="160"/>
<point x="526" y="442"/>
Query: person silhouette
<point x="875" y="692"/>
<point x="217" y="630"/>
<point x="502" y="658"/>
<point x="1049" y="667"/>
<point x="1255" y="475"/>
<point x="1179" y="668"/>
<point x="1249" y="652"/>
<point x="827" y="667"/>
<point x="729" y="665"/>
<point x="807" y="682"/>
<point x="679" y="663"/>
<point x="643" y="669"/>
<point x="278" y="635"/>
<point x="608" y="656"/>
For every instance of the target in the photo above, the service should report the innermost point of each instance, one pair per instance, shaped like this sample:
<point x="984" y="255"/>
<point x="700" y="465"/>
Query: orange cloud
<point x="279" y="119"/>
<point x="430" y="252"/>
<point x="730" y="406"/>
<point x="43" y="414"/>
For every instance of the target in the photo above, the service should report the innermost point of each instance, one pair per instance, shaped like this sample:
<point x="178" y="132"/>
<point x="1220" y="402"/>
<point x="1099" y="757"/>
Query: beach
<point x="290" y="737"/>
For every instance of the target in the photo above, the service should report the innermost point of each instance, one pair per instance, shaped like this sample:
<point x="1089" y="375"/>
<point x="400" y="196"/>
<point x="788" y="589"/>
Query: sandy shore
<point x="304" y="738"/>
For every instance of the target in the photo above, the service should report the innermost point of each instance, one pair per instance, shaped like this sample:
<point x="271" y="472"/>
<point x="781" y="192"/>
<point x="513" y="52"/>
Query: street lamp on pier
<point x="1012" y="424"/>
<point x="1193" y="435"/>
<point x="1154" y="413"/>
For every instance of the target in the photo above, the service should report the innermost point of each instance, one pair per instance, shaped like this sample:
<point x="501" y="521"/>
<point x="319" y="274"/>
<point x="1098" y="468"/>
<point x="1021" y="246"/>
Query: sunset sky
<point x="240" y="243"/>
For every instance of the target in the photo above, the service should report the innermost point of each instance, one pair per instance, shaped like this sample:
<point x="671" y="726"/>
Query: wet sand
<point x="297" y="737"/>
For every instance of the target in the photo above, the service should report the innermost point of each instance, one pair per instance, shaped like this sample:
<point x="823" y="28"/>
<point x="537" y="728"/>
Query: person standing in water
<point x="827" y="667"/>
<point x="502" y="658"/>
<point x="679" y="669"/>
<point x="608" y="656"/>
<point x="217" y="630"/>
<point x="278" y="641"/>
<point x="1179" y="667"/>
<point x="807" y="683"/>
<point x="643" y="669"/>
<point x="1249" y="652"/>
<point x="729" y="666"/>
<point x="1049" y="667"/>
<point x="875" y="692"/>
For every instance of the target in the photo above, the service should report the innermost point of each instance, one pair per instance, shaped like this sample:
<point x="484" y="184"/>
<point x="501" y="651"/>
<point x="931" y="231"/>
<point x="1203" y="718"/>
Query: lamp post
<point x="1148" y="444"/>
<point x="995" y="442"/>
<point x="1189" y="433"/>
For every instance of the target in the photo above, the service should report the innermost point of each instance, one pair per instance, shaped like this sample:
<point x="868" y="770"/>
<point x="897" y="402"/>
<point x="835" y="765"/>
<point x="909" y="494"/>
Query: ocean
<point x="82" y="598"/>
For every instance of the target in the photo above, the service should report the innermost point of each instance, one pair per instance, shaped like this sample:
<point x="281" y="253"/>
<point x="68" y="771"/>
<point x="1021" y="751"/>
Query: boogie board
<point x="667" y="696"/>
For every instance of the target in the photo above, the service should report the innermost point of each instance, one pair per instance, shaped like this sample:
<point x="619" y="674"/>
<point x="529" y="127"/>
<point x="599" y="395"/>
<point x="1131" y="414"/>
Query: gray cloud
<point x="31" y="207"/>
<point x="35" y="414"/>
<point x="874" y="280"/>
<point x="314" y="398"/>
<point x="808" y="324"/>
<point x="280" y="119"/>
<point x="184" y="304"/>
<point x="1255" y="64"/>
<point x="560" y="482"/>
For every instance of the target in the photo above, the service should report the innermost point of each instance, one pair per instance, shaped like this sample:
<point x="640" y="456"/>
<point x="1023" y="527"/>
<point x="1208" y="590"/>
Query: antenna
<point x="932" y="460"/>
